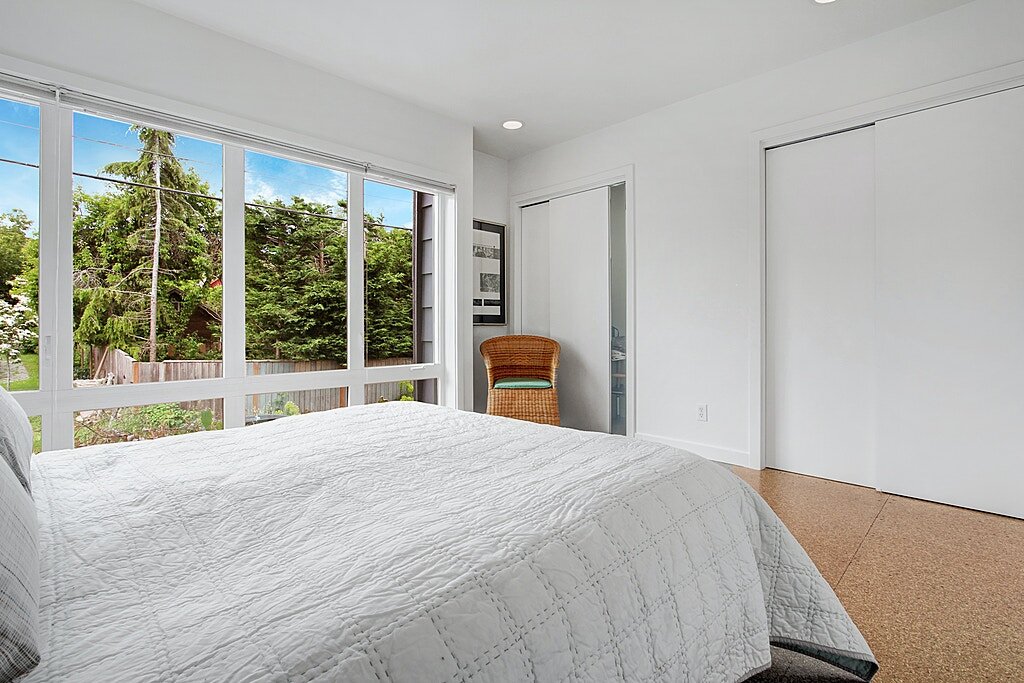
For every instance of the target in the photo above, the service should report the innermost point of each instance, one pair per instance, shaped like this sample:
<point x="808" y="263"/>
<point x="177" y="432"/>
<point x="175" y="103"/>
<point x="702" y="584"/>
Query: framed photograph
<point x="488" y="274"/>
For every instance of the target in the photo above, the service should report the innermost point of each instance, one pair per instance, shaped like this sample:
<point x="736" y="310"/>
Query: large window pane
<point x="399" y="253"/>
<point x="266" y="407"/>
<point x="19" y="245"/>
<point x="147" y="254"/>
<point x="134" y="423"/>
<point x="424" y="391"/>
<point x="296" y="266"/>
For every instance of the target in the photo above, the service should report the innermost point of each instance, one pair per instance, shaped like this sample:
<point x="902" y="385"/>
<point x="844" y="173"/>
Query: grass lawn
<point x="31" y="363"/>
<point x="37" y="433"/>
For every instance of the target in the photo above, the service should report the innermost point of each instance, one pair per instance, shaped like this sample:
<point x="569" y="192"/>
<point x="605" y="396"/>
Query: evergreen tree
<point x="145" y="257"/>
<point x="296" y="288"/>
<point x="389" y="305"/>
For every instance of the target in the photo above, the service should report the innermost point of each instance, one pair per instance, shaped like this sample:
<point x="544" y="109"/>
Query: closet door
<point x="820" y="232"/>
<point x="951" y="303"/>
<point x="534" y="305"/>
<point x="579" y="307"/>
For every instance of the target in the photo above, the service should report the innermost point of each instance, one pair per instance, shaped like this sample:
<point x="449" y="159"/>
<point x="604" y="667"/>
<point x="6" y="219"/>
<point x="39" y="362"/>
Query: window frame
<point x="57" y="401"/>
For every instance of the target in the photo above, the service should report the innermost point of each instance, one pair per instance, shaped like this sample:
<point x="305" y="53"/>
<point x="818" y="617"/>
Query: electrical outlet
<point x="702" y="412"/>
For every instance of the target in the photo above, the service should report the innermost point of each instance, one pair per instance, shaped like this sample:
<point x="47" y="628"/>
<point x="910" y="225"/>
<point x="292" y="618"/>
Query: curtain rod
<point x="66" y="95"/>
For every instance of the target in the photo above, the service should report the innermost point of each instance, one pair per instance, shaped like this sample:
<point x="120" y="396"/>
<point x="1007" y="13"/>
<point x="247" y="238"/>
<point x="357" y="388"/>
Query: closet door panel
<point x="535" y="307"/>
<point x="819" y="355"/>
<point x="579" y="307"/>
<point x="951" y="303"/>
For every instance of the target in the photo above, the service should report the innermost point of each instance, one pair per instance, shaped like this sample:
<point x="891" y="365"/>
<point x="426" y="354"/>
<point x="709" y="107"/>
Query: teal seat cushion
<point x="522" y="383"/>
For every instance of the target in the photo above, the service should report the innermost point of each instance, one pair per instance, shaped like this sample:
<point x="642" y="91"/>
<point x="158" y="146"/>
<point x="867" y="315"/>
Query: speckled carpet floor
<point x="936" y="590"/>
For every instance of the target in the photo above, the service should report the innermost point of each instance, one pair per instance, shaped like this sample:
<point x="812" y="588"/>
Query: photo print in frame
<point x="488" y="274"/>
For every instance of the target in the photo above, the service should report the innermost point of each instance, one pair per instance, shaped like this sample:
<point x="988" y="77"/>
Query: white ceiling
<point x="565" y="67"/>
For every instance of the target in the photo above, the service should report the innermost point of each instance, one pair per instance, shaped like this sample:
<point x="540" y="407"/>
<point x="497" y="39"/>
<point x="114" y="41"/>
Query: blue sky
<point x="19" y="141"/>
<point x="99" y="141"/>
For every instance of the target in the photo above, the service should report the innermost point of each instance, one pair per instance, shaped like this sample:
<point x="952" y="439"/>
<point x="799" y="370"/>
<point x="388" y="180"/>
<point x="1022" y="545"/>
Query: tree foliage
<point x="296" y="269"/>
<point x="15" y="228"/>
<point x="114" y="254"/>
<point x="17" y="331"/>
<point x="389" y="305"/>
<point x="296" y="285"/>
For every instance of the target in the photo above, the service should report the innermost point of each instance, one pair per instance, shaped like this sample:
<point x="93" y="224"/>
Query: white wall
<point x="490" y="204"/>
<point x="136" y="54"/>
<point x="694" y="213"/>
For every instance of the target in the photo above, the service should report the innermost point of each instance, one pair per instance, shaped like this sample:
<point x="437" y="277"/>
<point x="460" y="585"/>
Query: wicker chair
<point x="522" y="357"/>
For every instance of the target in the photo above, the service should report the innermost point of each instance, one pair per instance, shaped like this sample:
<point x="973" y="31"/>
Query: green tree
<point x="297" y="284"/>
<point x="145" y="258"/>
<point x="296" y="280"/>
<point x="389" y="305"/>
<point x="17" y="330"/>
<point x="27" y="283"/>
<point x="15" y="231"/>
<point x="145" y="261"/>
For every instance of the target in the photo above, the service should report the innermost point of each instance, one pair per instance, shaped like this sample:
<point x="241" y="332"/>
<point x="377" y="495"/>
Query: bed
<point x="407" y="542"/>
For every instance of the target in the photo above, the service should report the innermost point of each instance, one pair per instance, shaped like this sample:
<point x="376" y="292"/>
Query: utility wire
<point x="19" y="163"/>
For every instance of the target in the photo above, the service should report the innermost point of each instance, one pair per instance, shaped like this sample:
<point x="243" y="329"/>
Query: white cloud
<point x="255" y="187"/>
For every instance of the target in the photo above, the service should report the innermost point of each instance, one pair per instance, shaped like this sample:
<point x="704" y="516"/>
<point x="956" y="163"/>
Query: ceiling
<point x="564" y="67"/>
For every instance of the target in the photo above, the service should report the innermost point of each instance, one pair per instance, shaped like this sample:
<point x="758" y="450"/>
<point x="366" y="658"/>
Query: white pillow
<point x="19" y="578"/>
<point x="15" y="439"/>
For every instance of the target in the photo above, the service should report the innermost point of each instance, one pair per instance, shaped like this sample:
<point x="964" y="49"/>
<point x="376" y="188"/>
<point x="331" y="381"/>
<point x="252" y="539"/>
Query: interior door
<point x="951" y="303"/>
<point x="578" y="281"/>
<point x="819" y="362"/>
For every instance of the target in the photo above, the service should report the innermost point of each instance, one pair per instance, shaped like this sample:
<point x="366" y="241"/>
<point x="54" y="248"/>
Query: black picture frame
<point x="501" y="318"/>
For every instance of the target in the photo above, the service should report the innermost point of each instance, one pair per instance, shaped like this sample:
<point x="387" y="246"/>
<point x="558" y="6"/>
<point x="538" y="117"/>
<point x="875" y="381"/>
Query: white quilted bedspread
<point x="403" y="542"/>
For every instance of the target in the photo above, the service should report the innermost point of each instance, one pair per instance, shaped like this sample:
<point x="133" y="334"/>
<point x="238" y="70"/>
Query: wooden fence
<point x="114" y="366"/>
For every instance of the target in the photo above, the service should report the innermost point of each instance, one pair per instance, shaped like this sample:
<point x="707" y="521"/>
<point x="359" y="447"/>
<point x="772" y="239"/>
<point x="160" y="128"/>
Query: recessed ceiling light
<point x="824" y="2"/>
<point x="512" y="125"/>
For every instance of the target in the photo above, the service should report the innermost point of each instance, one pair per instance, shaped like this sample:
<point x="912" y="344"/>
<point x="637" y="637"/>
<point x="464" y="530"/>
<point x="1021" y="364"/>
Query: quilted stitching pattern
<point x="19" y="578"/>
<point x="403" y="542"/>
<point x="15" y="438"/>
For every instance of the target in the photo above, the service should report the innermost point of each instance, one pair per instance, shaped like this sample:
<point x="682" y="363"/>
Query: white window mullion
<point x="57" y="161"/>
<point x="233" y="239"/>
<point x="449" y="302"/>
<point x="356" y="291"/>
<point x="49" y="136"/>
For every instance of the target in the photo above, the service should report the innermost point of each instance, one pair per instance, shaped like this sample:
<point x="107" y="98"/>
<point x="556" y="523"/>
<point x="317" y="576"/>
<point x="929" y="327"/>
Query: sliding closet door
<point x="951" y="303"/>
<point x="819" y="403"/>
<point x="579" y="307"/>
<point x="534" y="304"/>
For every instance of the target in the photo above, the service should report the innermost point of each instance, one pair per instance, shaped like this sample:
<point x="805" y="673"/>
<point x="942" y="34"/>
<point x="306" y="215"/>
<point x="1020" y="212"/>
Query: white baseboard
<point x="716" y="453"/>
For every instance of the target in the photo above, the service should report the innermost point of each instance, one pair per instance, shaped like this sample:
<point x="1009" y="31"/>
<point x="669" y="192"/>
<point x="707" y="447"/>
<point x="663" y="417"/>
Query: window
<point x="19" y="245"/>
<point x="134" y="423"/>
<point x="423" y="391"/>
<point x="147" y="254"/>
<point x="399" y="262"/>
<point x="144" y="250"/>
<point x="266" y="407"/>
<point x="296" y="266"/>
